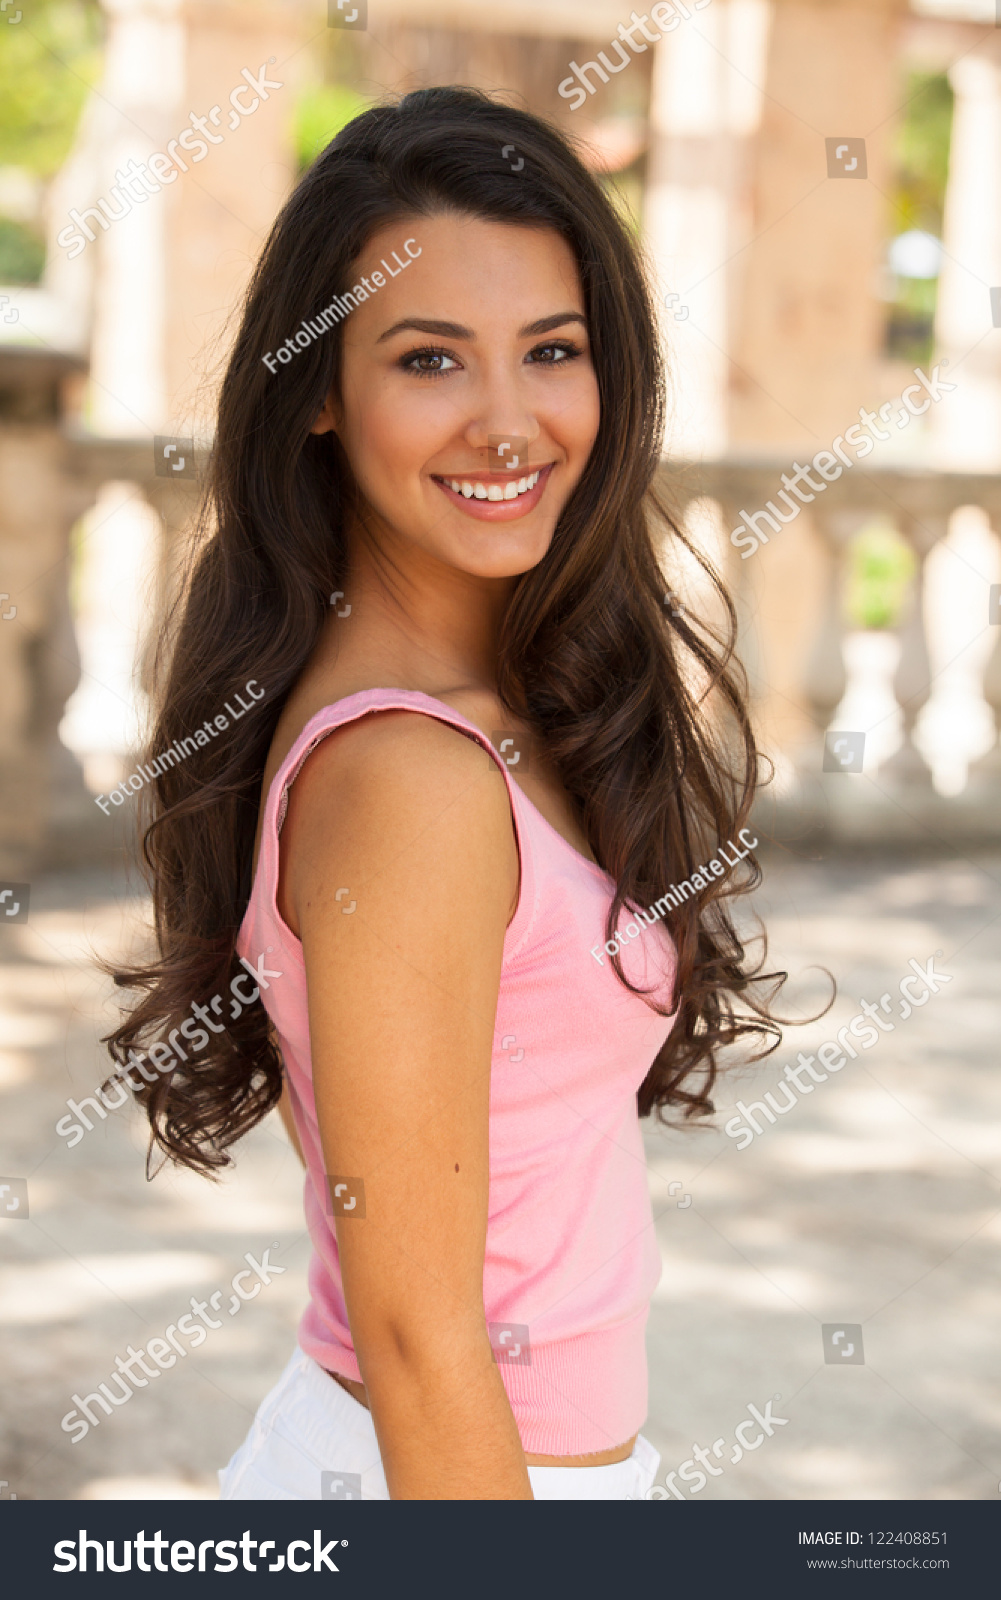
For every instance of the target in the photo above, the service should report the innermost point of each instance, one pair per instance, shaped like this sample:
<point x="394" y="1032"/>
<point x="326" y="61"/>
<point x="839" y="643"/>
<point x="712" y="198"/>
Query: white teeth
<point x="493" y="491"/>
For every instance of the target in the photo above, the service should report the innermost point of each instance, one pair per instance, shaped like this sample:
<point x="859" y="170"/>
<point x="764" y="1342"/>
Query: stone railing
<point x="48" y="479"/>
<point x="790" y="600"/>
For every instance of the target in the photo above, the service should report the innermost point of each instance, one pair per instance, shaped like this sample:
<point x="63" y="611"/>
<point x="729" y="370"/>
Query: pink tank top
<point x="571" y="1254"/>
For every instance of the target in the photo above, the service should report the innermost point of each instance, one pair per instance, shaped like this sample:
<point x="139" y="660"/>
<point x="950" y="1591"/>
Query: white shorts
<point x="312" y="1440"/>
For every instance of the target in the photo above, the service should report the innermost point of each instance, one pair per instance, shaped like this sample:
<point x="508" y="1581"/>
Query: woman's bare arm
<point x="406" y="815"/>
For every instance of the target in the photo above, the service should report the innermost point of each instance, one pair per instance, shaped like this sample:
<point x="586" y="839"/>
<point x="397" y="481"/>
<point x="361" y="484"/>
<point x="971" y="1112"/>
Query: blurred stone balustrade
<point x="793" y="630"/>
<point x="39" y="664"/>
<point x="49" y="477"/>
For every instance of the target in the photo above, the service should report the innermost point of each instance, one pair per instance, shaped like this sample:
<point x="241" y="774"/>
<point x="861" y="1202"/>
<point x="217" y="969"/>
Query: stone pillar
<point x="966" y="428"/>
<point x="170" y="272"/>
<point x="221" y="210"/>
<point x="142" y="85"/>
<point x="807" y="345"/>
<point x="700" y="105"/>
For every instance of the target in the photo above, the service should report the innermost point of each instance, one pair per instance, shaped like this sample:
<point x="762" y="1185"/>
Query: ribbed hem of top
<point x="575" y="1397"/>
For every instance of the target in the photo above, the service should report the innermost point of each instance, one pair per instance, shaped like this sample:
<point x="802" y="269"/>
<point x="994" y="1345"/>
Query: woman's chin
<point x="497" y="564"/>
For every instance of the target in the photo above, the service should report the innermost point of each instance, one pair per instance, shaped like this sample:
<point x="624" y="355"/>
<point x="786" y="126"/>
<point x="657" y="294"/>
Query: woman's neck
<point x="415" y="622"/>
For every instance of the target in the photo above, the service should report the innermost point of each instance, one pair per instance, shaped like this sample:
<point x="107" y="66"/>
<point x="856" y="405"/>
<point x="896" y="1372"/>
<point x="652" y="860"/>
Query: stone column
<point x="143" y="84"/>
<point x="221" y="210"/>
<point x="966" y="426"/>
<point x="699" y="103"/>
<point x="808" y="343"/>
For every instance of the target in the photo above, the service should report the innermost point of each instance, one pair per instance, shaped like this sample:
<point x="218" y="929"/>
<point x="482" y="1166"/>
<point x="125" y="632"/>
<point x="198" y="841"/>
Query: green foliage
<point x="880" y="568"/>
<point x="48" y="62"/>
<point x="625" y="190"/>
<point x="320" y="113"/>
<point x="921" y="171"/>
<point x="921" y="152"/>
<point x="22" y="253"/>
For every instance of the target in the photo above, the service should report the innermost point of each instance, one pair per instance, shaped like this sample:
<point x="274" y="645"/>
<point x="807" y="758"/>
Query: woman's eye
<point x="555" y="355"/>
<point x="428" y="363"/>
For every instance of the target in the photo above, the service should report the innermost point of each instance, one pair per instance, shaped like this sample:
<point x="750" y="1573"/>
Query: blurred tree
<point x="321" y="112"/>
<point x="921" y="161"/>
<point x="49" y="60"/>
<point x="880" y="567"/>
<point x="922" y="154"/>
<point x="48" y="63"/>
<point x="22" y="253"/>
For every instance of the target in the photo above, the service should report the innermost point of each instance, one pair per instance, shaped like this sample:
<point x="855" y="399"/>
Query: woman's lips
<point x="498" y="510"/>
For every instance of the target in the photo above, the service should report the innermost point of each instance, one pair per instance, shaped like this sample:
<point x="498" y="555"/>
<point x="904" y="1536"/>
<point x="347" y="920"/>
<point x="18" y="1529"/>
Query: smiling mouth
<point x="494" y="489"/>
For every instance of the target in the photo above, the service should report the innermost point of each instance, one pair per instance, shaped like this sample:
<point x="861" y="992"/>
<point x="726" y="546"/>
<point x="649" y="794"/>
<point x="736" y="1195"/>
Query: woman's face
<point x="474" y="354"/>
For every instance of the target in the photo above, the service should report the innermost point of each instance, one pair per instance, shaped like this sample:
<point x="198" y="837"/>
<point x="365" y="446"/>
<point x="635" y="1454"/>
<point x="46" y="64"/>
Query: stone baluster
<point x="984" y="783"/>
<point x="912" y="679"/>
<point x="743" y="591"/>
<point x="40" y="781"/>
<point x="824" y="675"/>
<point x="988" y="767"/>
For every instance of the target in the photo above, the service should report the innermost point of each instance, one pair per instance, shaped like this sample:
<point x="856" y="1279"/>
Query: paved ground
<point x="874" y="1201"/>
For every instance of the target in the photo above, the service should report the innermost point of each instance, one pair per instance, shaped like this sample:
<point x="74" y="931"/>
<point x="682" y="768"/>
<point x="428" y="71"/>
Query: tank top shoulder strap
<point x="350" y="709"/>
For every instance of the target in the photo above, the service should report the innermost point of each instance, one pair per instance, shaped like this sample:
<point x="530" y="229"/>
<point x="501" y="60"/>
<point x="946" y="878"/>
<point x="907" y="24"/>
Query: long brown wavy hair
<point x="641" y="706"/>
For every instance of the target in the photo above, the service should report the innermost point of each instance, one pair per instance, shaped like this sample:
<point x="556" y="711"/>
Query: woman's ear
<point x="328" y="419"/>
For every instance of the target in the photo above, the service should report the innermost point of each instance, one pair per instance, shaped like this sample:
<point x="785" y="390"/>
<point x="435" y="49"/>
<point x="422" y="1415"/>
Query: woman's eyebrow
<point x="547" y="324"/>
<point x="455" y="330"/>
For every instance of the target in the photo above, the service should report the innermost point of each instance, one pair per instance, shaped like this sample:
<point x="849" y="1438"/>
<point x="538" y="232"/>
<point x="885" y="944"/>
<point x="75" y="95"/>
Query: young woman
<point x="484" y="745"/>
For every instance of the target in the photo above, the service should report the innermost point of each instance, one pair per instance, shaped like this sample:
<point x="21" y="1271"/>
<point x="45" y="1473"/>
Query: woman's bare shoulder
<point x="397" y="795"/>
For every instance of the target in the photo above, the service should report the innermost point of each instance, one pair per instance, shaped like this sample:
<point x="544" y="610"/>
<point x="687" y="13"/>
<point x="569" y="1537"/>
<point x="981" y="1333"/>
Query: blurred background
<point x="817" y="187"/>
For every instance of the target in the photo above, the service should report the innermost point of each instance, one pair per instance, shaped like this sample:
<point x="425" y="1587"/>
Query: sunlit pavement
<point x="873" y="1201"/>
<point x="107" y="1259"/>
